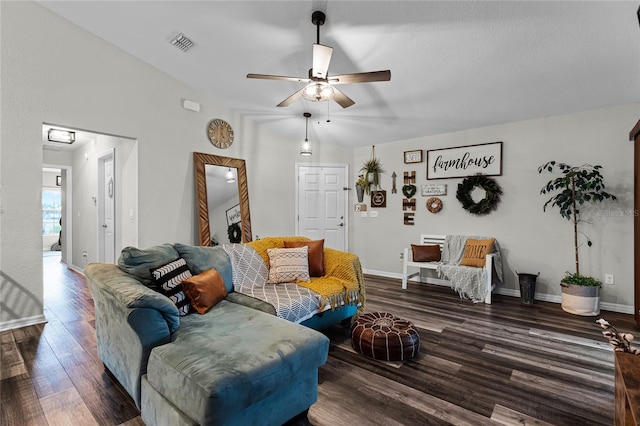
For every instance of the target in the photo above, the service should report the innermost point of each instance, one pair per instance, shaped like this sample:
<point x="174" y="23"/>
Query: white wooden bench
<point x="407" y="261"/>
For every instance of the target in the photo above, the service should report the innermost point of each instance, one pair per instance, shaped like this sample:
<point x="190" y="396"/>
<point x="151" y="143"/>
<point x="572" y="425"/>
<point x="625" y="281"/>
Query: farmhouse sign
<point x="465" y="161"/>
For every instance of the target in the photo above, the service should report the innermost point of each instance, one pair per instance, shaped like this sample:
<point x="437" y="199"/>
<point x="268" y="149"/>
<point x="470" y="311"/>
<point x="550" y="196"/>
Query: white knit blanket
<point x="467" y="281"/>
<point x="291" y="301"/>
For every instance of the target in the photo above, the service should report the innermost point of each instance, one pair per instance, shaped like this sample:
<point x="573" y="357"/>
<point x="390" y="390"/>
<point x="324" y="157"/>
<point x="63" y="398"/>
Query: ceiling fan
<point x="320" y="86"/>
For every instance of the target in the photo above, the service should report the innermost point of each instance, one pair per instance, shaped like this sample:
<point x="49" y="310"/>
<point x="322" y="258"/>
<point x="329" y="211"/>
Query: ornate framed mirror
<point x="222" y="199"/>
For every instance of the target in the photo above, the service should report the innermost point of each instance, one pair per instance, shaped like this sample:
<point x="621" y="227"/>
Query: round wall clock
<point x="220" y="133"/>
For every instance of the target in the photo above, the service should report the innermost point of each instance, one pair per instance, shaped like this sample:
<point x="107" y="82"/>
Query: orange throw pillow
<point x="204" y="290"/>
<point x="316" y="255"/>
<point x="427" y="253"/>
<point x="475" y="252"/>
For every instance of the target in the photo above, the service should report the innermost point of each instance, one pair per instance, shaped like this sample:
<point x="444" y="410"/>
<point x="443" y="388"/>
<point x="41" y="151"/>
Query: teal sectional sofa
<point x="237" y="364"/>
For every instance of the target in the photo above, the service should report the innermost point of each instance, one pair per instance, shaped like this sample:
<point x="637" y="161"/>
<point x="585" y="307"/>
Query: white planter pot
<point x="581" y="300"/>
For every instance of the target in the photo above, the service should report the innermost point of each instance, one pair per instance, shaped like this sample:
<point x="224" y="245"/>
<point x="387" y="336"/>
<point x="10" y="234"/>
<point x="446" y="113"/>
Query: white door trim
<point x="345" y="167"/>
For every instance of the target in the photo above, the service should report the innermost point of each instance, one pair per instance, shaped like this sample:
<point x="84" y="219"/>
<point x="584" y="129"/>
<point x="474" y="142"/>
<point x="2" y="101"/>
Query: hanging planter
<point x="490" y="200"/>
<point x="372" y="169"/>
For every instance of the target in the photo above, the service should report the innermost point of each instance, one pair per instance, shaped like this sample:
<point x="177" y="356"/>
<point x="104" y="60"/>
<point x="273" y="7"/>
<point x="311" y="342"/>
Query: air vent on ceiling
<point x="182" y="42"/>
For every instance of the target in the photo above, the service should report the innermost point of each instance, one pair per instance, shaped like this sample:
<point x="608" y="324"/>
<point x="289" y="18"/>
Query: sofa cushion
<point x="288" y="265"/>
<point x="475" y="252"/>
<point x="204" y="290"/>
<point x="168" y="280"/>
<point x="201" y="258"/>
<point x="140" y="262"/>
<point x="425" y="253"/>
<point x="316" y="255"/>
<point x="231" y="358"/>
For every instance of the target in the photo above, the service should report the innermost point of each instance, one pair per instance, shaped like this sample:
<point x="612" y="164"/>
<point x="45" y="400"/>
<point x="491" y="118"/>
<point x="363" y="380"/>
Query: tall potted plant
<point x="575" y="187"/>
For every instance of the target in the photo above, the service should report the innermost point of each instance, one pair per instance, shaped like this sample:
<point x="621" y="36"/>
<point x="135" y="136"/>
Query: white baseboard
<point x="22" y="322"/>
<point x="76" y="269"/>
<point x="554" y="298"/>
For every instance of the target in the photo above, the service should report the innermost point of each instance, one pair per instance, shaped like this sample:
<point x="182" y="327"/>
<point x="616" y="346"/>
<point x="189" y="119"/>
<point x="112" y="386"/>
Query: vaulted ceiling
<point x="454" y="65"/>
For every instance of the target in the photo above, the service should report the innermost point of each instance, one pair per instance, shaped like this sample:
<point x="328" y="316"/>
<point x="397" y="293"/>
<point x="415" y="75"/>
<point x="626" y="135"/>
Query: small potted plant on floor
<point x="576" y="186"/>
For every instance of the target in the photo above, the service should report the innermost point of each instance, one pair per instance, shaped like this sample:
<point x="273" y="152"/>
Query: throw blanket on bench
<point x="468" y="282"/>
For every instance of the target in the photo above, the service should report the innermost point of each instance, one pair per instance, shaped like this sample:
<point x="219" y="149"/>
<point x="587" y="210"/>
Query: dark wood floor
<point x="478" y="365"/>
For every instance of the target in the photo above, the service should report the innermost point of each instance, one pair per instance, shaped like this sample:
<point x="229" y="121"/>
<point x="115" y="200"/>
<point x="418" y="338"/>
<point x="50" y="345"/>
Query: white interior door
<point x="106" y="208"/>
<point x="321" y="203"/>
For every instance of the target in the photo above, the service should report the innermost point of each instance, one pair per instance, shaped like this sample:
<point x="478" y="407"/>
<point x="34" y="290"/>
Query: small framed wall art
<point x="432" y="189"/>
<point x="379" y="198"/>
<point x="233" y="215"/>
<point x="413" y="156"/>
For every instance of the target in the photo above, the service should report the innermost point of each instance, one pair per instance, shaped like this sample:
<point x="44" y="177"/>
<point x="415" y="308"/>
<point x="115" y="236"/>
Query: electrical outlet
<point x="363" y="214"/>
<point x="401" y="255"/>
<point x="608" y="278"/>
<point x="374" y="213"/>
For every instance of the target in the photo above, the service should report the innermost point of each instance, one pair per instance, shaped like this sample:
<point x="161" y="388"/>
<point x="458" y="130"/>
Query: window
<point x="51" y="210"/>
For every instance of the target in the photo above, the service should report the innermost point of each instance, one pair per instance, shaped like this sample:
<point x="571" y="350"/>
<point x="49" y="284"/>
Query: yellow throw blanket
<point x="343" y="281"/>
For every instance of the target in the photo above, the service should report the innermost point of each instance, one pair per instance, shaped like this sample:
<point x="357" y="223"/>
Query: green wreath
<point x="488" y="203"/>
<point x="235" y="233"/>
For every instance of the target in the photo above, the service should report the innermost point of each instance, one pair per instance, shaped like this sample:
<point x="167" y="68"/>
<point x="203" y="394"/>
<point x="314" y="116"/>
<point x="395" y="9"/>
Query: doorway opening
<point x="98" y="186"/>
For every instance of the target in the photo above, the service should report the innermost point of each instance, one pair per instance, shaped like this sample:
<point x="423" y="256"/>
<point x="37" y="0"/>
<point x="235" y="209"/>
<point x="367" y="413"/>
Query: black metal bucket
<point x="527" y="287"/>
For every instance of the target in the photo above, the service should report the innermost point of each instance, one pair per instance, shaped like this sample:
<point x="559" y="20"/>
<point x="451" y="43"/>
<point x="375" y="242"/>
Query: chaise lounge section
<point x="236" y="364"/>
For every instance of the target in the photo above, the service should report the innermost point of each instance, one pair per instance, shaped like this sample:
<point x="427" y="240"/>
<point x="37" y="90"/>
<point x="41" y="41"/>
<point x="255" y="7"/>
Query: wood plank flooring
<point x="503" y="364"/>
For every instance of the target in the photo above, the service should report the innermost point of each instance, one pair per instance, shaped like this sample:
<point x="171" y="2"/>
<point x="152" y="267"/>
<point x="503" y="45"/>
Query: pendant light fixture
<point x="229" y="176"/>
<point x="305" y="147"/>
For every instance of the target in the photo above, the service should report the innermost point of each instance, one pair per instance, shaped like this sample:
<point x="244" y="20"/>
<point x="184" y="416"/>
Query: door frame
<point x="345" y="169"/>
<point x="67" y="211"/>
<point x="101" y="159"/>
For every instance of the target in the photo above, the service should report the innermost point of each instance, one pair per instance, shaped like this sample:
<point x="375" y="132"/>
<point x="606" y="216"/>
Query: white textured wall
<point x="102" y="89"/>
<point x="532" y="241"/>
<point x="85" y="189"/>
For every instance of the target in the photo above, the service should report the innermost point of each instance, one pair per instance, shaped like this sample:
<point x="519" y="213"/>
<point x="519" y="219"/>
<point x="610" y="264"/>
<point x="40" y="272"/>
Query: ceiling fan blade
<point x="291" y="98"/>
<point x="362" y="77"/>
<point x="278" y="77"/>
<point x="343" y="100"/>
<point x="321" y="58"/>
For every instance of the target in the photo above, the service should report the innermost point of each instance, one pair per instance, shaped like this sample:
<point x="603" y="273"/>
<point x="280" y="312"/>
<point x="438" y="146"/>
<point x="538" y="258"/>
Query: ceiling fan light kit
<point x="318" y="92"/>
<point x="320" y="87"/>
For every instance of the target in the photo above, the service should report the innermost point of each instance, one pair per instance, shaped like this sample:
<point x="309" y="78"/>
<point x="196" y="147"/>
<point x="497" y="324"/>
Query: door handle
<point x="341" y="224"/>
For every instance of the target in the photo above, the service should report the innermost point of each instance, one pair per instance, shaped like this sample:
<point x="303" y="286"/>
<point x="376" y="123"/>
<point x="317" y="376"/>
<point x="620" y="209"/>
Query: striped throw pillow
<point x="168" y="279"/>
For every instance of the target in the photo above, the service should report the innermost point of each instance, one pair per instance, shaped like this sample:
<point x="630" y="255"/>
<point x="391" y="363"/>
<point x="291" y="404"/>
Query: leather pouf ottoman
<point x="383" y="336"/>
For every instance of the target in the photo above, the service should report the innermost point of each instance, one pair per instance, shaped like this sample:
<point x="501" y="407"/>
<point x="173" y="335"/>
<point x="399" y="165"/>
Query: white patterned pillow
<point x="169" y="278"/>
<point x="288" y="265"/>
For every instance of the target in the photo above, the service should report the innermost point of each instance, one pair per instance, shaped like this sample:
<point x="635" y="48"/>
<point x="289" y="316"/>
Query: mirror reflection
<point x="222" y="199"/>
<point x="223" y="202"/>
